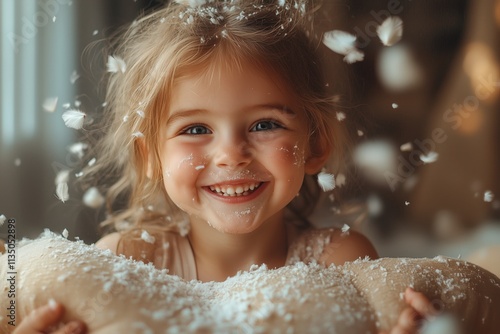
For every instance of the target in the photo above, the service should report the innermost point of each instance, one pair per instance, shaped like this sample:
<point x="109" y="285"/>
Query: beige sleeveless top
<point x="170" y="250"/>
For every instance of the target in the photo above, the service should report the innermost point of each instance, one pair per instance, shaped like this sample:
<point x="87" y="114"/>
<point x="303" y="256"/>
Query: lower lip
<point x="238" y="199"/>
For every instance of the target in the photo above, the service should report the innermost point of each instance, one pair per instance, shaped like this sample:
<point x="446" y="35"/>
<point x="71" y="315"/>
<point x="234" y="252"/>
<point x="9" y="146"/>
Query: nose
<point x="233" y="152"/>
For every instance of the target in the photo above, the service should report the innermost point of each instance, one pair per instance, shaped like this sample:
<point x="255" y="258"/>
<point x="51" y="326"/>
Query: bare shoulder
<point x="109" y="241"/>
<point x="330" y="246"/>
<point x="345" y="247"/>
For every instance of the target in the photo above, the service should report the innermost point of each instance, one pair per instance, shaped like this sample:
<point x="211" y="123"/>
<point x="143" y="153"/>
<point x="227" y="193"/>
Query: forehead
<point x="242" y="82"/>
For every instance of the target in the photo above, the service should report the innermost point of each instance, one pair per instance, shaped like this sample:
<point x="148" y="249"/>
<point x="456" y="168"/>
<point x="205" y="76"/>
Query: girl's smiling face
<point x="234" y="148"/>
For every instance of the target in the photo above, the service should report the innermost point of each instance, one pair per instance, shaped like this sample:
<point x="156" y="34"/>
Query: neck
<point x="220" y="255"/>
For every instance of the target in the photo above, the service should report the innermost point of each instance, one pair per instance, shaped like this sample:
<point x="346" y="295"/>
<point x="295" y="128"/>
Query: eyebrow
<point x="180" y="114"/>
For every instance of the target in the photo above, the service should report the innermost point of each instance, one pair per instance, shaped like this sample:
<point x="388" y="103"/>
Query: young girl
<point x="218" y="122"/>
<point x="218" y="127"/>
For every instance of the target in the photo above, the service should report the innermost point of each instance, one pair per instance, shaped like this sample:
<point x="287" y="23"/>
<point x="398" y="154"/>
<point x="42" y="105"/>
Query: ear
<point x="314" y="163"/>
<point x="317" y="159"/>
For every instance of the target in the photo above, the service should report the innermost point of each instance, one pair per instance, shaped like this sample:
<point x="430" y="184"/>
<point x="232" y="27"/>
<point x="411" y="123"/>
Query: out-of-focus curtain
<point x="43" y="64"/>
<point x="38" y="57"/>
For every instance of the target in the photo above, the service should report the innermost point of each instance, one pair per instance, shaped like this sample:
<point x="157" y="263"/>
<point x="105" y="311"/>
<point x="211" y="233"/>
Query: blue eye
<point x="266" y="126"/>
<point x="197" y="130"/>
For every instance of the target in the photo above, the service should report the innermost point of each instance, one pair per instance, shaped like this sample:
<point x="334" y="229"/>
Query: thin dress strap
<point x="175" y="254"/>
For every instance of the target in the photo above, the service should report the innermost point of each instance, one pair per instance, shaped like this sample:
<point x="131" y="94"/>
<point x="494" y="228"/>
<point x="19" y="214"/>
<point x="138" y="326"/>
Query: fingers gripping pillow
<point x="112" y="294"/>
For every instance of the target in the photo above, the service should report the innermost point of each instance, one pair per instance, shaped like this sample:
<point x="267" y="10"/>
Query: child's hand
<point x="410" y="320"/>
<point x="43" y="318"/>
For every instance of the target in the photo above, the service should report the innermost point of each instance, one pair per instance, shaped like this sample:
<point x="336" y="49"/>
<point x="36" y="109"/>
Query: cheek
<point x="290" y="154"/>
<point x="178" y="161"/>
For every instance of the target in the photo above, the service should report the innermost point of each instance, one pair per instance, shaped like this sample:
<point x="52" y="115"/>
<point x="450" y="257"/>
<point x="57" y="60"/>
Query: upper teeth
<point x="240" y="189"/>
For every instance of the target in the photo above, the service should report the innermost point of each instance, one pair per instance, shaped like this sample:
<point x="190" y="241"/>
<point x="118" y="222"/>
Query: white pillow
<point x="112" y="294"/>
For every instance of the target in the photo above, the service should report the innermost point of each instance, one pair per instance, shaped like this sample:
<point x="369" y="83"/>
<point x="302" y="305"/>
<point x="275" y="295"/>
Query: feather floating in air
<point x="343" y="43"/>
<point x="326" y="181"/>
<point x="74" y="118"/>
<point x="390" y="31"/>
<point x="50" y="104"/>
<point x="62" y="191"/>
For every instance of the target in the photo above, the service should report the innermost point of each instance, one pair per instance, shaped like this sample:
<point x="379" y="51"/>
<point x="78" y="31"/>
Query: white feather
<point x="74" y="76"/>
<point x="65" y="233"/>
<point x="390" y="31"/>
<point x="343" y="43"/>
<point x="74" y="118"/>
<point x="138" y="134"/>
<point x="147" y="237"/>
<point x="2" y="219"/>
<point x="50" y="104"/>
<point x="375" y="158"/>
<point x="345" y="230"/>
<point x="93" y="198"/>
<point x="78" y="149"/>
<point x="339" y="41"/>
<point x="406" y="147"/>
<point x="340" y="116"/>
<point x="430" y="157"/>
<point x="340" y="180"/>
<point x="116" y="64"/>
<point x="374" y="205"/>
<point x="191" y="3"/>
<point x="398" y="69"/>
<point x="62" y="191"/>
<point x="326" y="181"/>
<point x="488" y="196"/>
<point x="62" y="176"/>
<point x="354" y="56"/>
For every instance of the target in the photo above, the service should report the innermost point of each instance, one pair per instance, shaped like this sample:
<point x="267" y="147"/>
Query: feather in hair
<point x="116" y="64"/>
<point x="191" y="3"/>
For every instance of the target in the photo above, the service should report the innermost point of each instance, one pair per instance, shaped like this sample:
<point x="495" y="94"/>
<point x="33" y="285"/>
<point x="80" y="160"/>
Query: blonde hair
<point x="175" y="41"/>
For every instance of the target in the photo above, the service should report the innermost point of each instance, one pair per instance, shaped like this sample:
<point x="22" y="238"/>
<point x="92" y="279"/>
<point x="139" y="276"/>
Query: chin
<point x="238" y="228"/>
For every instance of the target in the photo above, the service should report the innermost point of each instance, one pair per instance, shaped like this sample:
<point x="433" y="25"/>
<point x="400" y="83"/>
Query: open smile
<point x="236" y="190"/>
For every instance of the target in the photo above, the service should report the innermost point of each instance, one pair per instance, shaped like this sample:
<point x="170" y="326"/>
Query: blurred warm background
<point x="426" y="111"/>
